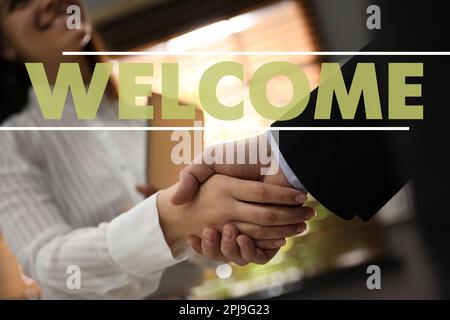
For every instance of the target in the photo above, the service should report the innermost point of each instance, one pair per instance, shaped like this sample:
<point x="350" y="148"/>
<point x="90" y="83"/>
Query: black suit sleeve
<point x="352" y="172"/>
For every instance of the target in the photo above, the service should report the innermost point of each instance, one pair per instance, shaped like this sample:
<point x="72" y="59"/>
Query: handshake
<point x="232" y="212"/>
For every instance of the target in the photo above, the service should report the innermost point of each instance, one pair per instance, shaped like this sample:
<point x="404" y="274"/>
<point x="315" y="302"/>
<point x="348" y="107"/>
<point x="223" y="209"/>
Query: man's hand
<point x="230" y="245"/>
<point x="194" y="175"/>
<point x="256" y="209"/>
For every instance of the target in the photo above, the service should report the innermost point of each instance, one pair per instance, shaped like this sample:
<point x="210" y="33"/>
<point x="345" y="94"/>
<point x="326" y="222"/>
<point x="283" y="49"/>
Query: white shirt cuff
<point x="136" y="242"/>
<point x="290" y="175"/>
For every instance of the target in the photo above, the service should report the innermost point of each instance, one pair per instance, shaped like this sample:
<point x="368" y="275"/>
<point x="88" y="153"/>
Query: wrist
<point x="172" y="221"/>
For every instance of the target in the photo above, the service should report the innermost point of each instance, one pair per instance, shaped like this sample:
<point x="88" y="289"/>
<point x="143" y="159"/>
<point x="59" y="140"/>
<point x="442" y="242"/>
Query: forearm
<point x="364" y="169"/>
<point x="78" y="265"/>
<point x="124" y="258"/>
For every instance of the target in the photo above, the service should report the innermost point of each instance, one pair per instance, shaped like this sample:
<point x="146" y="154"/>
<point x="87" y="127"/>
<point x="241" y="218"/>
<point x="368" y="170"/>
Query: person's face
<point x="37" y="31"/>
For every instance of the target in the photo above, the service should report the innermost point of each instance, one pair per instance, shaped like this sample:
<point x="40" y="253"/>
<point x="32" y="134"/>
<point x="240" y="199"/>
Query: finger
<point x="247" y="248"/>
<point x="257" y="232"/>
<point x="229" y="247"/>
<point x="252" y="254"/>
<point x="269" y="244"/>
<point x="195" y="243"/>
<point x="260" y="192"/>
<point x="269" y="254"/>
<point x="272" y="215"/>
<point x="191" y="179"/>
<point x="211" y="243"/>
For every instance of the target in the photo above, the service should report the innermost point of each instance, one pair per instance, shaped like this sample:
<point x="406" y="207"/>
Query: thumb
<point x="191" y="178"/>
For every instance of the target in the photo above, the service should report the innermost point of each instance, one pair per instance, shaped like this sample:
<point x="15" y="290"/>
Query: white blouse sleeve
<point x="120" y="259"/>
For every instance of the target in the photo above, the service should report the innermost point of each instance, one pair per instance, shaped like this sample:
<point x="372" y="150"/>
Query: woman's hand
<point x="260" y="211"/>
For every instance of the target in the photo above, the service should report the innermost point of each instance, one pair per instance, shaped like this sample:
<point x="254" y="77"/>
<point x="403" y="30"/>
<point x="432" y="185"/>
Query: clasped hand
<point x="231" y="213"/>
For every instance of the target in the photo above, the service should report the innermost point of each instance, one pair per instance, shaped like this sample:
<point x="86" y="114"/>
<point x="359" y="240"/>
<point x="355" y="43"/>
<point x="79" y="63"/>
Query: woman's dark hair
<point x="15" y="82"/>
<point x="14" y="86"/>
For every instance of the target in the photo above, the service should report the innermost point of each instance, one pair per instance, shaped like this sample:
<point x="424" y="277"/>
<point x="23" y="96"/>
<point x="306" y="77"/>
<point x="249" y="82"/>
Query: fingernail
<point x="300" y="198"/>
<point x="279" y="243"/>
<point x="301" y="227"/>
<point x="310" y="214"/>
<point x="227" y="234"/>
<point x="208" y="237"/>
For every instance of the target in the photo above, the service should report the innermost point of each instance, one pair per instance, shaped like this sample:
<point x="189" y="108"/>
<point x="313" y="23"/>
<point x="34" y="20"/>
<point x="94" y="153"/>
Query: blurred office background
<point x="330" y="260"/>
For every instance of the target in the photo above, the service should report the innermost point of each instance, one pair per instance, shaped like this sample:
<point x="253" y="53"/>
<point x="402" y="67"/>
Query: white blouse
<point x="69" y="199"/>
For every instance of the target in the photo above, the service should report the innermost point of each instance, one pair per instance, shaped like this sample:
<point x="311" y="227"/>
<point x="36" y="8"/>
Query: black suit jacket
<point x="356" y="173"/>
